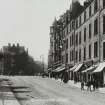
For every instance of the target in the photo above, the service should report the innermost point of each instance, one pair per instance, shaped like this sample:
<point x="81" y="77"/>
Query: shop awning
<point x="100" y="67"/>
<point x="73" y="68"/>
<point x="49" y="69"/>
<point x="90" y="69"/>
<point x="78" y="67"/>
<point x="59" y="69"/>
<point x="55" y="70"/>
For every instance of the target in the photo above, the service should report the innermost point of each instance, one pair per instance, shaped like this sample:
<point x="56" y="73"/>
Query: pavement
<point x="7" y="97"/>
<point x="78" y="85"/>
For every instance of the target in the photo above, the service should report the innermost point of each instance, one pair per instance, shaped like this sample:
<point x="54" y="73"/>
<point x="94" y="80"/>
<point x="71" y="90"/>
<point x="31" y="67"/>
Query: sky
<point x="28" y="22"/>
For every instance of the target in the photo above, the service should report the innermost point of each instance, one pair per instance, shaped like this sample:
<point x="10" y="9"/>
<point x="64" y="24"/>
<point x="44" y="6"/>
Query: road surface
<point x="44" y="91"/>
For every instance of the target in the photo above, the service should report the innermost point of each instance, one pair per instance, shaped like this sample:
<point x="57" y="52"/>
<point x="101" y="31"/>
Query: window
<point x="80" y="37"/>
<point x="72" y="39"/>
<point x="90" y="51"/>
<point x="72" y="25"/>
<point x="103" y="3"/>
<point x="76" y="56"/>
<point x="79" y="20"/>
<point x="84" y="34"/>
<point x="67" y="44"/>
<point x="76" y="39"/>
<point x="95" y="6"/>
<point x="70" y="55"/>
<point x="89" y="11"/>
<point x="95" y="49"/>
<point x="90" y="31"/>
<point x="77" y="23"/>
<point x="67" y="31"/>
<point x="104" y="51"/>
<point x="104" y="24"/>
<point x="66" y="58"/>
<point x="96" y="27"/>
<point x="79" y="54"/>
<point x="84" y="16"/>
<point x="84" y="53"/>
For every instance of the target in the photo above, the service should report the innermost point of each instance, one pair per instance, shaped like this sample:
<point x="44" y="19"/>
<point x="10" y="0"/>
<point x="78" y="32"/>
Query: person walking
<point x="82" y="85"/>
<point x="94" y="85"/>
<point x="66" y="78"/>
<point x="89" y="85"/>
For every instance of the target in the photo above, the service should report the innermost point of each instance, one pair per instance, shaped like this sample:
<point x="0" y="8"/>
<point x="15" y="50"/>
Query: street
<point x="45" y="91"/>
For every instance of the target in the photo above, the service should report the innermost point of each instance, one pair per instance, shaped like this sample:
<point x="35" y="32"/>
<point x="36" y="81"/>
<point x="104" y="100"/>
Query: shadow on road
<point x="9" y="92"/>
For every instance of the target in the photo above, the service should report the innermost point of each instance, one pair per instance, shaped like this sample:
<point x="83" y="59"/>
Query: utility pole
<point x="42" y="61"/>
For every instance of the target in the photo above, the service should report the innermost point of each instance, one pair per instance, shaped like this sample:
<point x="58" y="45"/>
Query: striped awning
<point x="100" y="68"/>
<point x="90" y="69"/>
<point x="73" y="68"/>
<point x="59" y="69"/>
<point x="78" y="67"/>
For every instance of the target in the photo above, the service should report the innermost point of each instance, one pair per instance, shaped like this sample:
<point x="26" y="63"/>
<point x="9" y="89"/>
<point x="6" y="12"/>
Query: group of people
<point x="89" y="85"/>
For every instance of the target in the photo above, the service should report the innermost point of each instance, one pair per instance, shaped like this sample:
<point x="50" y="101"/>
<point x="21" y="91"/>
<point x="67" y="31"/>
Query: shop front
<point x="99" y="74"/>
<point x="87" y="74"/>
<point x="77" y="72"/>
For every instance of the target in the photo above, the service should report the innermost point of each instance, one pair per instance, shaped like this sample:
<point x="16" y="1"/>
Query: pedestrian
<point x="94" y="85"/>
<point x="82" y="85"/>
<point x="97" y="84"/>
<point x="89" y="85"/>
<point x="65" y="79"/>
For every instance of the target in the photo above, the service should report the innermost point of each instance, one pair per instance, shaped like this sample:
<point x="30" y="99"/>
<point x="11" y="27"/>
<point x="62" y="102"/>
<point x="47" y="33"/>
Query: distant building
<point x="1" y="63"/>
<point x="9" y="53"/>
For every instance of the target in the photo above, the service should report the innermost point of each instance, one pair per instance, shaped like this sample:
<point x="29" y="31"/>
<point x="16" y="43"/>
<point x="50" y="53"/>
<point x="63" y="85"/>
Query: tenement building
<point x="77" y="42"/>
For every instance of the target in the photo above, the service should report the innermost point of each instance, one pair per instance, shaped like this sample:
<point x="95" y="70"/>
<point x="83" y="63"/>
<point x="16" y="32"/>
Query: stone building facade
<point x="82" y="35"/>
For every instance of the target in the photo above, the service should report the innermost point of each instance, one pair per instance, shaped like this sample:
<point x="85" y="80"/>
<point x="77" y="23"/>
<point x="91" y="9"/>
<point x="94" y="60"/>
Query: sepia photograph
<point x="52" y="52"/>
